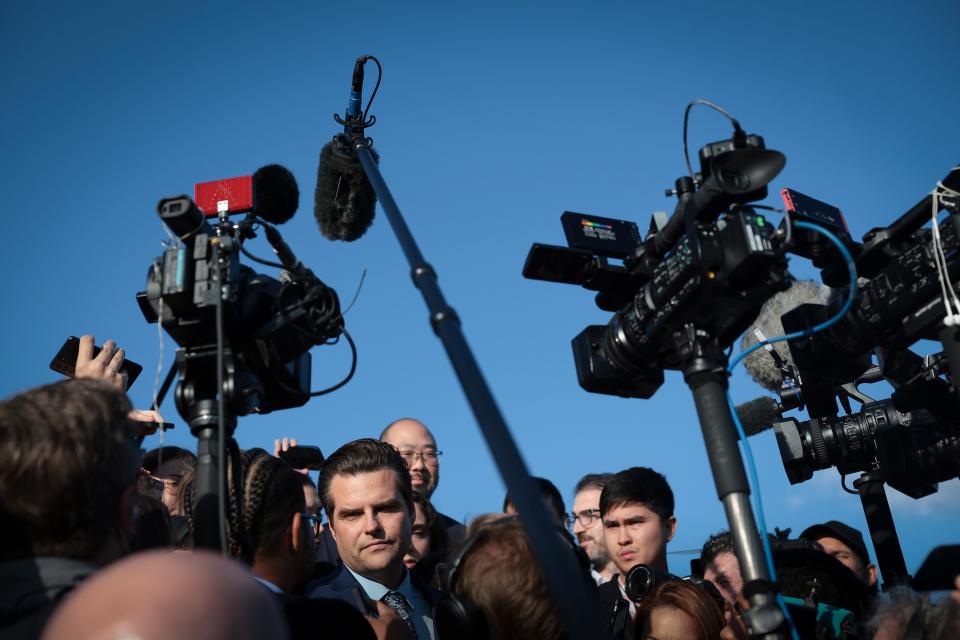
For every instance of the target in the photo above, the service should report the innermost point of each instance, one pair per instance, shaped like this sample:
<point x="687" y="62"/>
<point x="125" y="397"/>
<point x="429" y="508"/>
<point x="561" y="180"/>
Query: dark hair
<point x="592" y="481"/>
<point x="642" y="485"/>
<point x="271" y="491"/>
<point x="67" y="453"/>
<point x="500" y="576"/>
<point x="715" y="545"/>
<point x="689" y="598"/>
<point x="161" y="459"/>
<point x="551" y="496"/>
<point x="438" y="533"/>
<point x="363" y="456"/>
<point x="154" y="527"/>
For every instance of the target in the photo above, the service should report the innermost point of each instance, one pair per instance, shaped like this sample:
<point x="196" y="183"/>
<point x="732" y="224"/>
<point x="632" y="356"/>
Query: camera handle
<point x="563" y="577"/>
<point x="883" y="531"/>
<point x="705" y="372"/>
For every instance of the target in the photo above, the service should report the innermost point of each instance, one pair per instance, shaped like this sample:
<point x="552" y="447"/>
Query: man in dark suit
<point x="366" y="492"/>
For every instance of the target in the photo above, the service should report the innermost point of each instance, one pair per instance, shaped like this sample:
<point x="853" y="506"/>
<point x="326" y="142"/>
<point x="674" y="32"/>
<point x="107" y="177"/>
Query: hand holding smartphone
<point x="106" y="363"/>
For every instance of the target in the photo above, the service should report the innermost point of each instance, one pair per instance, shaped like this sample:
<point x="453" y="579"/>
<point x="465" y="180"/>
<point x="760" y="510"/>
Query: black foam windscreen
<point x="275" y="194"/>
<point x="760" y="364"/>
<point x="344" y="200"/>
<point x="758" y="414"/>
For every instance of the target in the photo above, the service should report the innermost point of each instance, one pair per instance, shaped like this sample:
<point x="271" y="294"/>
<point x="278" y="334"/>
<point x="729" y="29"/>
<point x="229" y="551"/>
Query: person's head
<point x="212" y="596"/>
<point x="168" y="465"/>
<point x="428" y="534"/>
<point x="499" y="578"/>
<point x="721" y="567"/>
<point x="679" y="610"/>
<point x="844" y="543"/>
<point x="418" y="448"/>
<point x="636" y="506"/>
<point x="587" y="524"/>
<point x="808" y="575"/>
<point x="154" y="527"/>
<point x="270" y="524"/>
<point x="551" y="497"/>
<point x="310" y="494"/>
<point x="366" y="492"/>
<point x="68" y="471"/>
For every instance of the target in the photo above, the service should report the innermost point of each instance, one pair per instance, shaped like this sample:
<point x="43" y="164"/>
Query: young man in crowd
<point x="636" y="506"/>
<point x="366" y="492"/>
<point x="845" y="543"/>
<point x="69" y="461"/>
<point x="588" y="526"/>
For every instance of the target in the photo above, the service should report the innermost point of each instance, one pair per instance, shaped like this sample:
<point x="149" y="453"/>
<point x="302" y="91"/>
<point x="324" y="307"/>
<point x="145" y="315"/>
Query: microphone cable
<point x="747" y="453"/>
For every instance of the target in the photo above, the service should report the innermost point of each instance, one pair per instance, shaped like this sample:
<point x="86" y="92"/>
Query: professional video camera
<point x="267" y="325"/>
<point x="706" y="271"/>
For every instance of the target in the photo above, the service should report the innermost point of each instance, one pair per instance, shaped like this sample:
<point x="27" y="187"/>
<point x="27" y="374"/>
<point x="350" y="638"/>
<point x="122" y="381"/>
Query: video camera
<point x="707" y="270"/>
<point x="198" y="288"/>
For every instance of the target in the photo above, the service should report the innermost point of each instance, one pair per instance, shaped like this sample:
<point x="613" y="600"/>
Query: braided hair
<point x="259" y="507"/>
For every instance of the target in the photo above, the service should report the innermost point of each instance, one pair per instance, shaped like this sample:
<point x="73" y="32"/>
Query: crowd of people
<point x="98" y="542"/>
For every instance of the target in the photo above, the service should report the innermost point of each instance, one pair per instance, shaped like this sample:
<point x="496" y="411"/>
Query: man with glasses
<point x="588" y="527"/>
<point x="419" y="449"/>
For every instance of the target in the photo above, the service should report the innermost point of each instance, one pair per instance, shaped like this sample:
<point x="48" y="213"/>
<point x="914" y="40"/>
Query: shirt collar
<point x="268" y="584"/>
<point x="375" y="591"/>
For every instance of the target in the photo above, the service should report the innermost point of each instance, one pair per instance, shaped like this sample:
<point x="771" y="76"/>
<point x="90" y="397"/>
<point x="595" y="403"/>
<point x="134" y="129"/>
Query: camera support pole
<point x="883" y="531"/>
<point x="706" y="374"/>
<point x="552" y="553"/>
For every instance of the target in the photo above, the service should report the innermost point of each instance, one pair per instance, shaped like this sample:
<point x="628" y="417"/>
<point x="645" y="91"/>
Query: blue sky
<point x="493" y="118"/>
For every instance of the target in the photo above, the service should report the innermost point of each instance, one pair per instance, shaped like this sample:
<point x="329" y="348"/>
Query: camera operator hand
<point x="106" y="366"/>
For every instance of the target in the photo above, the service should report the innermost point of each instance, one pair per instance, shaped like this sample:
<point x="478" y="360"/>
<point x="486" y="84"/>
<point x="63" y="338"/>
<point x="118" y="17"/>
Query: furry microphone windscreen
<point x="275" y="194"/>
<point x="758" y="415"/>
<point x="760" y="363"/>
<point x="344" y="202"/>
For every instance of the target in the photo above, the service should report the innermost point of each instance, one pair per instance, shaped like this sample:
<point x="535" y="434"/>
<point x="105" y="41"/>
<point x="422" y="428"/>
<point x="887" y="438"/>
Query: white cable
<point x="951" y="301"/>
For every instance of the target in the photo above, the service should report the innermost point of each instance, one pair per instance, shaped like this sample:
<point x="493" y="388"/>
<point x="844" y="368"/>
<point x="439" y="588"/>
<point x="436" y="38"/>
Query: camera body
<point x="268" y="325"/>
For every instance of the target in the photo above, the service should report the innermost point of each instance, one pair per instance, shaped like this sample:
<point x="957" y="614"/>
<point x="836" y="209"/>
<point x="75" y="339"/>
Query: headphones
<point x="454" y="615"/>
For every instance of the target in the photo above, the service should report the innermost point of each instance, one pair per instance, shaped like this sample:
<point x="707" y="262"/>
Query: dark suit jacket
<point x="614" y="610"/>
<point x="339" y="585"/>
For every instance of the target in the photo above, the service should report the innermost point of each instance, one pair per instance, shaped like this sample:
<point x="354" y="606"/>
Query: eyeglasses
<point x="316" y="521"/>
<point x="586" y="517"/>
<point x="430" y="456"/>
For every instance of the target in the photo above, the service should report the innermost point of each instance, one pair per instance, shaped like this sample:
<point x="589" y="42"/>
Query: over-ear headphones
<point x="454" y="615"/>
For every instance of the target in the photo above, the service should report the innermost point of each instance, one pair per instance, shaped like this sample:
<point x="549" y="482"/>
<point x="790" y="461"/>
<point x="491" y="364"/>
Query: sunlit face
<point x="419" y="540"/>
<point x="370" y="524"/>
<point x="724" y="572"/>
<point x="848" y="557"/>
<point x="636" y="535"/>
<point x="411" y="437"/>
<point x="590" y="536"/>
<point x="668" y="623"/>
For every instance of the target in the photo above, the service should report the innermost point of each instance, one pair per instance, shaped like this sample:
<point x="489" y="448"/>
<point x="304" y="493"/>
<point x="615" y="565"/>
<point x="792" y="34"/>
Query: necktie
<point x="399" y="603"/>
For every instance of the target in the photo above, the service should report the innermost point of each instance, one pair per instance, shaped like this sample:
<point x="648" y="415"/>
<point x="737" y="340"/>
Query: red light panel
<point x="234" y="194"/>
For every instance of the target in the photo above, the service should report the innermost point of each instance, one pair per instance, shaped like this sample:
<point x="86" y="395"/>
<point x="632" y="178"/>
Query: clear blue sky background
<point x="493" y="118"/>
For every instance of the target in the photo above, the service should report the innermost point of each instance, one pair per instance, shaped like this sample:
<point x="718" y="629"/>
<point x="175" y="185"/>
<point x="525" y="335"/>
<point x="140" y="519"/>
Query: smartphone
<point x="66" y="359"/>
<point x="303" y="457"/>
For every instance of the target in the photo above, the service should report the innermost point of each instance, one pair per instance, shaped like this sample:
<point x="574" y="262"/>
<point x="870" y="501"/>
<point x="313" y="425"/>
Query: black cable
<point x="353" y="368"/>
<point x="374" y="94"/>
<point x="843" y="485"/>
<point x="686" y="117"/>
<point x="260" y="260"/>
